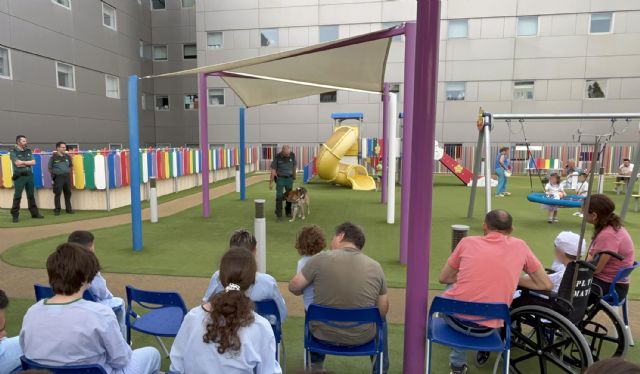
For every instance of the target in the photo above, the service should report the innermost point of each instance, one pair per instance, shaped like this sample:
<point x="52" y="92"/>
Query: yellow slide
<point x="330" y="168"/>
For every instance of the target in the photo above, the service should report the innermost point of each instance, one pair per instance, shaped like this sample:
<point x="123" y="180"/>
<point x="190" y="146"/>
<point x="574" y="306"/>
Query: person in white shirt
<point x="624" y="173"/>
<point x="225" y="335"/>
<point x="10" y="351"/>
<point x="566" y="250"/>
<point x="554" y="190"/>
<point x="68" y="330"/>
<point x="98" y="287"/>
<point x="265" y="286"/>
<point x="582" y="190"/>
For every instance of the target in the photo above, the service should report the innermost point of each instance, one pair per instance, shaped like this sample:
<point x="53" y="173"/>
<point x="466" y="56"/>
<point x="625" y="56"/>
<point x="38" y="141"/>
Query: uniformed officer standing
<point x="60" y="165"/>
<point x="23" y="178"/>
<point x="283" y="172"/>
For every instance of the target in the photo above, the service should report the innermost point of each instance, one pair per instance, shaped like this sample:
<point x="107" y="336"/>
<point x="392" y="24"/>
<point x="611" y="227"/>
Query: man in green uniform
<point x="22" y="161"/>
<point x="60" y="165"/>
<point x="283" y="172"/>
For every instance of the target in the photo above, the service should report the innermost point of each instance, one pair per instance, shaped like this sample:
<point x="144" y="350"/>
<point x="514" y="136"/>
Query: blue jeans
<point x="502" y="181"/>
<point x="318" y="358"/>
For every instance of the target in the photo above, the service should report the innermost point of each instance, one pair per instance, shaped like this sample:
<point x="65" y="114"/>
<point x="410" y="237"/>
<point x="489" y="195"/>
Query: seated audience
<point x="566" y="250"/>
<point x="10" y="351"/>
<point x="487" y="269"/>
<point x="98" y="287"/>
<point x="265" y="286"/>
<point x="225" y="335"/>
<point x="309" y="242"/>
<point x="344" y="277"/>
<point x="68" y="330"/>
<point x="613" y="366"/>
<point x="624" y="172"/>
<point x="609" y="235"/>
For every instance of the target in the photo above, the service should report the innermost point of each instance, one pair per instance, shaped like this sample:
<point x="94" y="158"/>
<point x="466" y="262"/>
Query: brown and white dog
<point x="300" y="199"/>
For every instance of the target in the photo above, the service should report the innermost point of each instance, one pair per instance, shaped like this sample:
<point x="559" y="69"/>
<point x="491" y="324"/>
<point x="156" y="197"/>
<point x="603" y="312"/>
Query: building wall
<point x="41" y="32"/>
<point x="558" y="59"/>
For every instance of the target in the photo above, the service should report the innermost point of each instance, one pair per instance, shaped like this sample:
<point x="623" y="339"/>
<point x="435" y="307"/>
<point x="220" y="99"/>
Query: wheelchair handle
<point x="615" y="255"/>
<point x="586" y="264"/>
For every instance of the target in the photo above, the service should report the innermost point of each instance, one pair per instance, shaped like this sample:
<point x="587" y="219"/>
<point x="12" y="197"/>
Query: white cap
<point x="567" y="242"/>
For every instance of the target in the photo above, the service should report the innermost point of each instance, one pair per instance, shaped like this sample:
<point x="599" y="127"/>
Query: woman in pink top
<point x="609" y="235"/>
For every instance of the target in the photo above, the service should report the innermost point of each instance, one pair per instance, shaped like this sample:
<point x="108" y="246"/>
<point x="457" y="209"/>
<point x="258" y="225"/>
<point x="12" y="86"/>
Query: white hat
<point x="567" y="242"/>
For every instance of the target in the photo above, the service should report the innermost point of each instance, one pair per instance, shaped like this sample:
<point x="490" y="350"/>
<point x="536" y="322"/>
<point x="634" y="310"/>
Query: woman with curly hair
<point x="609" y="235"/>
<point x="309" y="242"/>
<point x="225" y="335"/>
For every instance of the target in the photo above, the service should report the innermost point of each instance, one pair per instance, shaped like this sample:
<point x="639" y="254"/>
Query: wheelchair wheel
<point x="604" y="331"/>
<point x="543" y="341"/>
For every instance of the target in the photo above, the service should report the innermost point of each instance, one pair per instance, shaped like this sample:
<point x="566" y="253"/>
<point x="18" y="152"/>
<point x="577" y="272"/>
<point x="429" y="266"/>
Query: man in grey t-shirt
<point x="344" y="278"/>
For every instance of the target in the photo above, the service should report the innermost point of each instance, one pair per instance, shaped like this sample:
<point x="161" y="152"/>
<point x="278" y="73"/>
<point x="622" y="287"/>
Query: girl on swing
<point x="554" y="190"/>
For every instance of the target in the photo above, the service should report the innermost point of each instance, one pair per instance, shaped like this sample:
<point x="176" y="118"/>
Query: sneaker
<point x="506" y="193"/>
<point x="38" y="216"/>
<point x="459" y="369"/>
<point x="482" y="358"/>
<point x="576" y="214"/>
<point x="70" y="212"/>
<point x="550" y="220"/>
<point x="580" y="215"/>
<point x="555" y="219"/>
<point x="500" y="195"/>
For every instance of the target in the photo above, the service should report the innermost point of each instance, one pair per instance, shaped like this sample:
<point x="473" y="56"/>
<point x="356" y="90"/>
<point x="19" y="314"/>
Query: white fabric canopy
<point x="356" y="64"/>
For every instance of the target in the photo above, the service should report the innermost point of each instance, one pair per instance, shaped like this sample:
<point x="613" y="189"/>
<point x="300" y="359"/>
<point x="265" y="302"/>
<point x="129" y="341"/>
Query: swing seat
<point x="569" y="201"/>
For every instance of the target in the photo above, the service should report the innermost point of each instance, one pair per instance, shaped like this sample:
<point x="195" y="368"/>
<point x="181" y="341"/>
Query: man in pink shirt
<point x="488" y="269"/>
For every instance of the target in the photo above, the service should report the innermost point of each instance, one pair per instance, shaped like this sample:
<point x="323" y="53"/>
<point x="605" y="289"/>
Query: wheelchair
<point x="565" y="331"/>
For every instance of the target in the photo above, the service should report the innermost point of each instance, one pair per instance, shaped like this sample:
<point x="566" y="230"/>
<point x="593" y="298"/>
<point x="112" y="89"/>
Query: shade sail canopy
<point x="355" y="64"/>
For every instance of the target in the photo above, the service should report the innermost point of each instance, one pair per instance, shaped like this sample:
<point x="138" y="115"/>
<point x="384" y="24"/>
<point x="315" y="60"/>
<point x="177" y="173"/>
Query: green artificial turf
<point x="80" y="215"/>
<point x="188" y="245"/>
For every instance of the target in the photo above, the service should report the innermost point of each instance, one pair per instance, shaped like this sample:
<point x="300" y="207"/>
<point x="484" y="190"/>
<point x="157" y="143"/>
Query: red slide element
<point x="465" y="175"/>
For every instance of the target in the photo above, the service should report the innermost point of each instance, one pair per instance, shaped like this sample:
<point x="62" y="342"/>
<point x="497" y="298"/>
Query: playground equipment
<point x="344" y="145"/>
<point x="569" y="201"/>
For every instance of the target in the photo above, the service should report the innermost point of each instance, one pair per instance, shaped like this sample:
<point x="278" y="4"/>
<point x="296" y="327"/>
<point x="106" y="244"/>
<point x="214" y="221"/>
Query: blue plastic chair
<point x="45" y="292"/>
<point x="438" y="331"/>
<point x="71" y="369"/>
<point x="612" y="298"/>
<point x="269" y="310"/>
<point x="344" y="318"/>
<point x="163" y="317"/>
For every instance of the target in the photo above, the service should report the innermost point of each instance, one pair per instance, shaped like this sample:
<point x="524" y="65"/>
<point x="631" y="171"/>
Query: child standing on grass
<point x="554" y="190"/>
<point x="582" y="190"/>
<point x="309" y="242"/>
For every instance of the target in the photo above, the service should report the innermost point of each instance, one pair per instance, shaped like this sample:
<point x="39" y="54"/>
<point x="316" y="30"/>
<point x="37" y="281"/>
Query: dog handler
<point x="283" y="171"/>
<point x="22" y="161"/>
<point x="60" y="165"/>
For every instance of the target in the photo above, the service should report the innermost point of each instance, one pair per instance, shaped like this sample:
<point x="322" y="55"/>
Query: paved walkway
<point x="18" y="282"/>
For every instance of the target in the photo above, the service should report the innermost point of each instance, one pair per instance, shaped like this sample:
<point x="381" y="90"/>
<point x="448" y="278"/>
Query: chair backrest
<point x="581" y="289"/>
<point x="349" y="316"/>
<point x="623" y="274"/>
<point x="485" y="311"/>
<point x="269" y="309"/>
<point x="76" y="369"/>
<point x="154" y="299"/>
<point x="45" y="292"/>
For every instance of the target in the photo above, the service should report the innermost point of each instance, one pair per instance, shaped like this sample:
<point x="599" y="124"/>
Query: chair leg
<point x="428" y="356"/>
<point x="282" y="356"/>
<point x="381" y="362"/>
<point x="164" y="348"/>
<point x="507" y="359"/>
<point x="625" y="318"/>
<point x="306" y="359"/>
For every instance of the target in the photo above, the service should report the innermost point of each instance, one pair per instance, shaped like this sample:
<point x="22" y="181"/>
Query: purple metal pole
<point x="421" y="184"/>
<point x="385" y="143"/>
<point x="204" y="143"/>
<point x="407" y="122"/>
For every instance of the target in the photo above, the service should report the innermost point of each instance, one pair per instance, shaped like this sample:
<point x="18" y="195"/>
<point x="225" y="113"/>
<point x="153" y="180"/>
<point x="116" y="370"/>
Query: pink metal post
<point x="407" y="122"/>
<point x="204" y="143"/>
<point x="385" y="143"/>
<point x="421" y="184"/>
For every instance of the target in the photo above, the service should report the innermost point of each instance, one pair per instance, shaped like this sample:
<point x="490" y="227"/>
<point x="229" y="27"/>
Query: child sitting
<point x="582" y="190"/>
<point x="554" y="190"/>
<point x="68" y="330"/>
<point x="309" y="242"/>
<point x="98" y="287"/>
<point x="9" y="347"/>
<point x="566" y="250"/>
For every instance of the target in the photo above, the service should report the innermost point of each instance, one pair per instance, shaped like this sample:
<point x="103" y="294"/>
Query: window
<point x="141" y="47"/>
<point x="113" y="86"/>
<point x="189" y="51"/>
<point x="160" y="53"/>
<point x="109" y="16"/>
<point x="190" y="102"/>
<point x="386" y="25"/>
<point x="528" y="26"/>
<point x="601" y="23"/>
<point x="158" y="4"/>
<point x="188" y="3"/>
<point x="63" y="3"/>
<point x="214" y="39"/>
<point x="329" y="33"/>
<point x="147" y="101"/>
<point x="455" y="91"/>
<point x="329" y="97"/>
<point x="458" y="28"/>
<point x="596" y="88"/>
<point x="523" y="90"/>
<point x="65" y="76"/>
<point x="162" y="102"/>
<point x="216" y="96"/>
<point x="269" y="37"/>
<point x="5" y="63"/>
